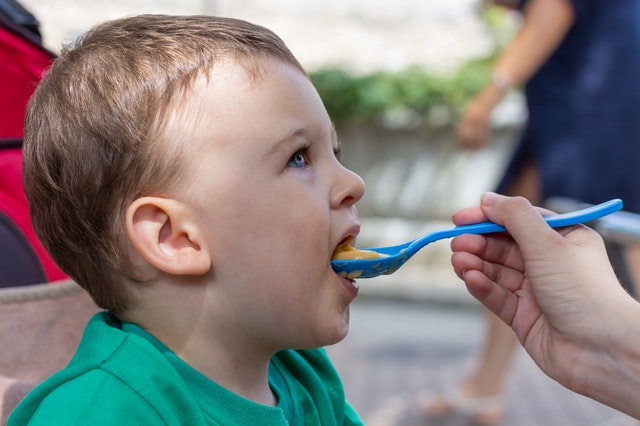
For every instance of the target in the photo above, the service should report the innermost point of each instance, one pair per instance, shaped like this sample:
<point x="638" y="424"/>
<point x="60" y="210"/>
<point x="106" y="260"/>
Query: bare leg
<point x="493" y="367"/>
<point x="487" y="381"/>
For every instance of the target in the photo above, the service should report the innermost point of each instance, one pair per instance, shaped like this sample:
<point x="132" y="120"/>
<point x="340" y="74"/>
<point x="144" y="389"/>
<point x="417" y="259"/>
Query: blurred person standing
<point x="579" y="62"/>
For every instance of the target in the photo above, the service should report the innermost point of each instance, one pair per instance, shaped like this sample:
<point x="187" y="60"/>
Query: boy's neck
<point x="247" y="376"/>
<point x="207" y="343"/>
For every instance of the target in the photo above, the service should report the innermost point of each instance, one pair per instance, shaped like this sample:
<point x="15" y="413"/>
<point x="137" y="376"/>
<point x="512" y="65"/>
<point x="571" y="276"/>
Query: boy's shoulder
<point x="119" y="376"/>
<point x="114" y="376"/>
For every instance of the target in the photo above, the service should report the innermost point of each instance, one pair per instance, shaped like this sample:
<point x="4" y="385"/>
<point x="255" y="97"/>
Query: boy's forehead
<point x="230" y="77"/>
<point x="238" y="68"/>
<point x="224" y="85"/>
<point x="224" y="94"/>
<point x="212" y="87"/>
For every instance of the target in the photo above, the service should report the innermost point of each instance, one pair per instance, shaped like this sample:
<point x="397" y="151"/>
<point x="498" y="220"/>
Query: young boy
<point x="184" y="171"/>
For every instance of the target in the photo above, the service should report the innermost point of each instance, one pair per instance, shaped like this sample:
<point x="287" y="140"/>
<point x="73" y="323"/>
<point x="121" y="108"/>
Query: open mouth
<point x="340" y="253"/>
<point x="345" y="251"/>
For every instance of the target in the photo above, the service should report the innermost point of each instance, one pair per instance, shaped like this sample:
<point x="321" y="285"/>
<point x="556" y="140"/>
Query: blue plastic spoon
<point x="396" y="256"/>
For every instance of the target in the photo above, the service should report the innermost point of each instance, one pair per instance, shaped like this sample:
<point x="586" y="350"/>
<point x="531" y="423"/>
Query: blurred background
<point x="436" y="33"/>
<point x="394" y="77"/>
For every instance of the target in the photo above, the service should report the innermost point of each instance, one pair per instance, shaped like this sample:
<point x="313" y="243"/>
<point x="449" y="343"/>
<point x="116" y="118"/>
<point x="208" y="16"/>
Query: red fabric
<point x="21" y="66"/>
<point x="22" y="63"/>
<point x="14" y="203"/>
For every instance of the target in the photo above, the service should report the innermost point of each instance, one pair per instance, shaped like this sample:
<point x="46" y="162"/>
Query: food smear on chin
<point x="346" y="252"/>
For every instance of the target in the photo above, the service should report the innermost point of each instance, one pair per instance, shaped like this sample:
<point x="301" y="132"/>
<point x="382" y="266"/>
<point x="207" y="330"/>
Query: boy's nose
<point x="349" y="189"/>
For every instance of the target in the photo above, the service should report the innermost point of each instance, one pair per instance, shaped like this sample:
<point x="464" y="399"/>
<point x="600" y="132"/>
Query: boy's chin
<point x="340" y="331"/>
<point x="324" y="342"/>
<point x="328" y="337"/>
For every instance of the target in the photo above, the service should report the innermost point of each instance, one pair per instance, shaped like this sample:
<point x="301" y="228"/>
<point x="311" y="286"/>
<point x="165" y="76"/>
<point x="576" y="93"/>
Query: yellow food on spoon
<point x="345" y="251"/>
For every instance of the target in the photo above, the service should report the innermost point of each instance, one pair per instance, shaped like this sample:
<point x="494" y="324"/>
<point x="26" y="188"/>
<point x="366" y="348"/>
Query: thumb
<point x="523" y="221"/>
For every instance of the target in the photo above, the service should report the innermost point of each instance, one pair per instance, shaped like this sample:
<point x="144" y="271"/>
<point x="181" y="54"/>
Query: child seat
<point x="23" y="259"/>
<point x="40" y="324"/>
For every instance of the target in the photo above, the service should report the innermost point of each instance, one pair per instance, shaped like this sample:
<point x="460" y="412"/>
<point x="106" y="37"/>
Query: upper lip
<point x="349" y="236"/>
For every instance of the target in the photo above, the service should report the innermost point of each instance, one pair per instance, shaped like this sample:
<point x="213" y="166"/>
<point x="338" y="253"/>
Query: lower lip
<point x="349" y="285"/>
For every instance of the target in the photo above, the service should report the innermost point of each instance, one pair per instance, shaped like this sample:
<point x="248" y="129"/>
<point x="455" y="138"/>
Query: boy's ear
<point x="161" y="231"/>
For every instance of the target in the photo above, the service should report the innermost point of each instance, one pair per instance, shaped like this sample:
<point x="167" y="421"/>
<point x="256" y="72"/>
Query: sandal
<point x="481" y="410"/>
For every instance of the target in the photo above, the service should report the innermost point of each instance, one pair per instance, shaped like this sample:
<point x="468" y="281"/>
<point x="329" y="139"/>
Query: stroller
<point x="40" y="323"/>
<point x="23" y="261"/>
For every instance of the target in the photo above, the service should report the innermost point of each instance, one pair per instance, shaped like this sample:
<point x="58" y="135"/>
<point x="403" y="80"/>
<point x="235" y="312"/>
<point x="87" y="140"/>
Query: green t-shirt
<point x="121" y="375"/>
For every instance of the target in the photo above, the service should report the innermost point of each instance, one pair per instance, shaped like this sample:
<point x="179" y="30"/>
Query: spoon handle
<point x="555" y="221"/>
<point x="395" y="256"/>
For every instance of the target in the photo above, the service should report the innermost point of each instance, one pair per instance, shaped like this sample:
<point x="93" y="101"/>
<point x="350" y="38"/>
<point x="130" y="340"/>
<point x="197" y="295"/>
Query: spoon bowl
<point x="393" y="257"/>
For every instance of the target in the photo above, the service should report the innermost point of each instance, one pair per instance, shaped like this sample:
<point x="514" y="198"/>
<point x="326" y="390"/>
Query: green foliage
<point x="501" y="22"/>
<point x="412" y="92"/>
<point x="466" y="82"/>
<point x="413" y="97"/>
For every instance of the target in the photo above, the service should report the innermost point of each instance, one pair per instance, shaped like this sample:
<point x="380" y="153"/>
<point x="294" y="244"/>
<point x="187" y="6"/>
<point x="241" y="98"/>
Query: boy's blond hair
<point x="94" y="134"/>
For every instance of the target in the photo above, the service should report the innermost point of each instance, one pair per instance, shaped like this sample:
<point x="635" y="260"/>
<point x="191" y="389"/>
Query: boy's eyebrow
<point x="334" y="135"/>
<point x="287" y="140"/>
<point x="334" y="138"/>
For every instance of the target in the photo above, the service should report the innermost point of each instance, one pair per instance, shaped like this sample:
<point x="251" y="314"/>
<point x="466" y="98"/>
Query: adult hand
<point x="557" y="290"/>
<point x="474" y="126"/>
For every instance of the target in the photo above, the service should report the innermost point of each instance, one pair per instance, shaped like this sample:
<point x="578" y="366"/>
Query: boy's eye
<point x="298" y="159"/>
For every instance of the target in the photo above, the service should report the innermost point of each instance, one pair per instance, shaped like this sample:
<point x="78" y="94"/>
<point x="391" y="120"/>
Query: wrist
<point x="500" y="80"/>
<point x="613" y="368"/>
<point x="495" y="89"/>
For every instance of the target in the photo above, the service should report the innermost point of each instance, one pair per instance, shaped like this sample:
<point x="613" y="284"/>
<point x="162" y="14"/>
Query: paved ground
<point x="395" y="349"/>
